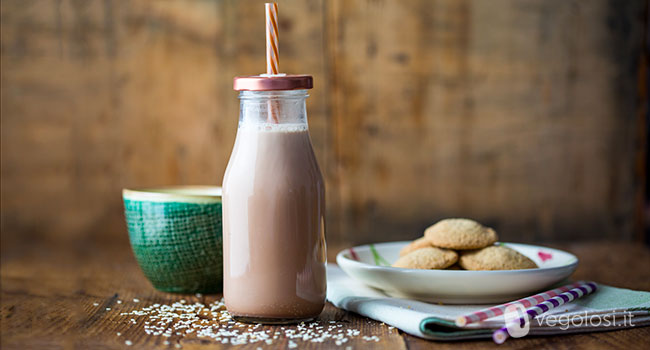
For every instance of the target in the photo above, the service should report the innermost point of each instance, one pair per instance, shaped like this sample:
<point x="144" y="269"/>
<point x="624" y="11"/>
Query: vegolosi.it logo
<point x="516" y="320"/>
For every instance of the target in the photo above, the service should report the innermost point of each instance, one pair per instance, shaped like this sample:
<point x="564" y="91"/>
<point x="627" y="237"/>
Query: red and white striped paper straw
<point x="501" y="335"/>
<point x="497" y="310"/>
<point x="272" y="54"/>
<point x="272" y="51"/>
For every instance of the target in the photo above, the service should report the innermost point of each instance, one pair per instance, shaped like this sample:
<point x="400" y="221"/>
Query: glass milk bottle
<point x="273" y="207"/>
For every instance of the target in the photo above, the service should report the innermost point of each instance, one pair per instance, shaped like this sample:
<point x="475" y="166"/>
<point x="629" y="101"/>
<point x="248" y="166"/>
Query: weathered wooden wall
<point x="517" y="113"/>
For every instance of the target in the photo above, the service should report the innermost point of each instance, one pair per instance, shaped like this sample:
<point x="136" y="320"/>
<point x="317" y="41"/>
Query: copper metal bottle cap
<point x="273" y="82"/>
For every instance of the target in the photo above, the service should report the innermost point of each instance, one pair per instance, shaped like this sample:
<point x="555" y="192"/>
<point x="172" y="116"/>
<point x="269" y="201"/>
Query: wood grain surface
<point x="48" y="291"/>
<point x="519" y="114"/>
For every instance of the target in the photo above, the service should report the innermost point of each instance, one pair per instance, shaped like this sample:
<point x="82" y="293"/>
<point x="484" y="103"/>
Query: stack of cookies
<point x="461" y="244"/>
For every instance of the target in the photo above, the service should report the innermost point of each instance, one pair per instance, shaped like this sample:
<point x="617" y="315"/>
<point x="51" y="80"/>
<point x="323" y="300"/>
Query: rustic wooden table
<point x="49" y="292"/>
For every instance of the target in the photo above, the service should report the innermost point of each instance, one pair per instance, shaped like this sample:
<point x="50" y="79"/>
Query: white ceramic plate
<point x="365" y="263"/>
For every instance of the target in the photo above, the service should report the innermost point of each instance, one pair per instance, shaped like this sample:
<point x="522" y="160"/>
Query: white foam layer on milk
<point x="271" y="127"/>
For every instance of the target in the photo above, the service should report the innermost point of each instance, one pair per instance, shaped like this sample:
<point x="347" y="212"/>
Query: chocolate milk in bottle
<point x="273" y="207"/>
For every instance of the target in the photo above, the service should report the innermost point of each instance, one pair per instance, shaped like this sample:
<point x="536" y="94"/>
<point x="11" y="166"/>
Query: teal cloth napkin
<point x="609" y="308"/>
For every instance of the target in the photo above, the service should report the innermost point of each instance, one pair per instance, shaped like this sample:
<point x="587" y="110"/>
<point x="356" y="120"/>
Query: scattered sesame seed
<point x="128" y="343"/>
<point x="119" y="334"/>
<point x="211" y="320"/>
<point x="369" y="338"/>
<point x="136" y="300"/>
<point x="119" y="301"/>
<point x="108" y="309"/>
<point x="95" y="304"/>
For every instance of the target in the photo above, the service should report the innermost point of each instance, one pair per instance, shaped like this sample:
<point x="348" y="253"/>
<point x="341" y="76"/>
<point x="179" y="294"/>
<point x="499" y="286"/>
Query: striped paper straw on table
<point x="500" y="335"/>
<point x="493" y="311"/>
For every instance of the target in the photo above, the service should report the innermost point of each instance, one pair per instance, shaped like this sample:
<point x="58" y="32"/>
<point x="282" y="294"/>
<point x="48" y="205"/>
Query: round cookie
<point x="460" y="234"/>
<point x="427" y="258"/>
<point x="495" y="257"/>
<point x="415" y="245"/>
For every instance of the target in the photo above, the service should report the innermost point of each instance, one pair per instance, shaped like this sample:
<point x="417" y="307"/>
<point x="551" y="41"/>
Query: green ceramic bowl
<point x="176" y="238"/>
